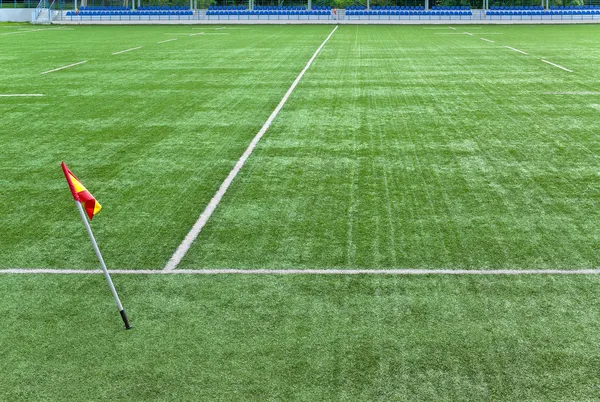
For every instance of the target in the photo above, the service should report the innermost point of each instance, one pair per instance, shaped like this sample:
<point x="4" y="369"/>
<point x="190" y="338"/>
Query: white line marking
<point x="18" y="95"/>
<point x="468" y="33"/>
<point x="168" y="40"/>
<point x="487" y="40"/>
<point x="556" y="65"/>
<point x="31" y="30"/>
<point x="516" y="50"/>
<point x="572" y="93"/>
<point x="214" y="202"/>
<point x="199" y="33"/>
<point x="62" y="68"/>
<point x="452" y="28"/>
<point x="127" y="50"/>
<point x="308" y="271"/>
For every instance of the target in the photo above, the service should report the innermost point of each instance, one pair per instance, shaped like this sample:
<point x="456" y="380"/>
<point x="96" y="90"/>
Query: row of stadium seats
<point x="409" y="12"/>
<point x="574" y="7"/>
<point x="123" y="8"/>
<point x="268" y="12"/>
<point x="271" y="8"/>
<point x="516" y="8"/>
<point x="128" y="12"/>
<point x="162" y="8"/>
<point x="450" y="8"/>
<point x="103" y="8"/>
<point x="212" y="8"/>
<point x="544" y="12"/>
<point x="407" y="8"/>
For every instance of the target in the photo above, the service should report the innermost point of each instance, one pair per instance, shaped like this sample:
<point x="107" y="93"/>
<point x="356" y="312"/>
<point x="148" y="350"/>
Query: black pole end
<point x="125" y="320"/>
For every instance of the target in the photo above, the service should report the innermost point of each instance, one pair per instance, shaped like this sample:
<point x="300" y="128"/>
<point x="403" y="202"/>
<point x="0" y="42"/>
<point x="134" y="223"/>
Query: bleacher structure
<point x="410" y="12"/>
<point x="325" y="13"/>
<point x="540" y="13"/>
<point x="268" y="13"/>
<point x="92" y="13"/>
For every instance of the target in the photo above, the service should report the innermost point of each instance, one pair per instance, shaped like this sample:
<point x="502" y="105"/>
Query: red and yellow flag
<point x="80" y="193"/>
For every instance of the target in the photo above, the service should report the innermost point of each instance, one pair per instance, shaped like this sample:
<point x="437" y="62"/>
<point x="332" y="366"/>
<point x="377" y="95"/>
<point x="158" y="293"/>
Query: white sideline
<point x="127" y="50"/>
<point x="516" y="50"/>
<point x="308" y="271"/>
<point x="18" y="95"/>
<point x="487" y="40"/>
<point x="468" y="33"/>
<point x="62" y="68"/>
<point x="556" y="65"/>
<point x="214" y="202"/>
<point x="168" y="40"/>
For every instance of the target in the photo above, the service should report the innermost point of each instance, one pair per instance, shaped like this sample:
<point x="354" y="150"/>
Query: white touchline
<point x="307" y="271"/>
<point x="127" y="50"/>
<point x="199" y="33"/>
<point x="168" y="40"/>
<point x="454" y="29"/>
<point x="487" y="40"/>
<point x="556" y="65"/>
<point x="214" y="202"/>
<point x="62" y="68"/>
<point x="18" y="95"/>
<point x="516" y="50"/>
<point x="468" y="33"/>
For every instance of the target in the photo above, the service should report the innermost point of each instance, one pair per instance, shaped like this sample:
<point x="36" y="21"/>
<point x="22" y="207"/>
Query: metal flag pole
<point x="106" y="274"/>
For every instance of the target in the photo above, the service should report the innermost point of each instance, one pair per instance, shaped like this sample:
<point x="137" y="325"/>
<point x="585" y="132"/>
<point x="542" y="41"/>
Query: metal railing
<point x="41" y="5"/>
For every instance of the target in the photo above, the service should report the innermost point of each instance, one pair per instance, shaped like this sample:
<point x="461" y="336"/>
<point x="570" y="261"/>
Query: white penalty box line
<point x="214" y="202"/>
<point x="390" y="272"/>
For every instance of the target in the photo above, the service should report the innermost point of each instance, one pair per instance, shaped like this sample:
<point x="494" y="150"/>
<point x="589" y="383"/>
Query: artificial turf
<point x="401" y="147"/>
<point x="300" y="338"/>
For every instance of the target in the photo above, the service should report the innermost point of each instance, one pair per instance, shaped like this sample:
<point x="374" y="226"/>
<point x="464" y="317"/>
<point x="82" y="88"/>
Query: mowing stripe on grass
<point x="127" y="50"/>
<point x="308" y="271"/>
<point x="168" y="40"/>
<point x="487" y="40"/>
<point x="18" y="95"/>
<point x="214" y="202"/>
<point x="516" y="50"/>
<point x="62" y="68"/>
<point x="556" y="65"/>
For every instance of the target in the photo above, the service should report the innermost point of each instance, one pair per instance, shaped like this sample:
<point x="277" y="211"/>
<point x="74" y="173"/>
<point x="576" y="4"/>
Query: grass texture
<point x="404" y="147"/>
<point x="300" y="338"/>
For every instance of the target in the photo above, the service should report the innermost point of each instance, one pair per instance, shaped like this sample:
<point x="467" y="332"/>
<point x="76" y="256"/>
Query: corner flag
<point x="92" y="207"/>
<point x="81" y="194"/>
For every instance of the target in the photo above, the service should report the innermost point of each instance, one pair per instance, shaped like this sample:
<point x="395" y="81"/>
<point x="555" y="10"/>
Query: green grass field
<point x="402" y="147"/>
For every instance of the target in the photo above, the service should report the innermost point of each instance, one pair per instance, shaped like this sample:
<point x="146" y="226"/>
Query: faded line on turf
<point x="62" y="68"/>
<point x="308" y="271"/>
<point x="468" y="33"/>
<point x="18" y="95"/>
<point x="487" y="40"/>
<point x="573" y="93"/>
<point x="556" y="65"/>
<point x="127" y="50"/>
<point x="516" y="50"/>
<point x="214" y="202"/>
<point x="168" y="40"/>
